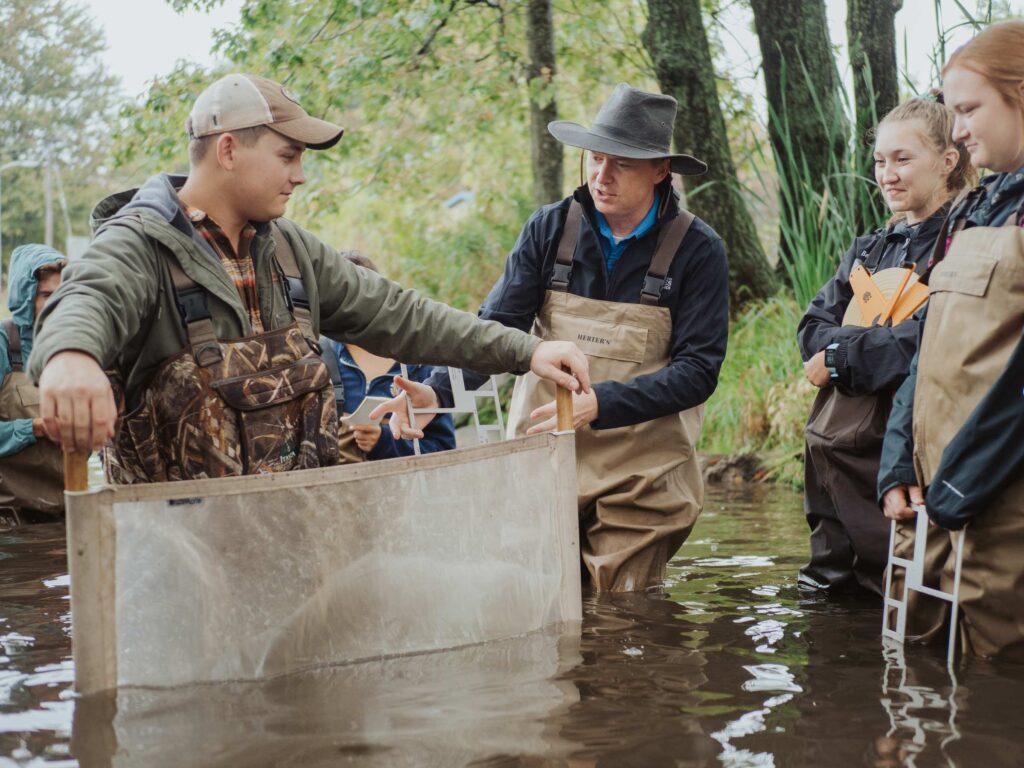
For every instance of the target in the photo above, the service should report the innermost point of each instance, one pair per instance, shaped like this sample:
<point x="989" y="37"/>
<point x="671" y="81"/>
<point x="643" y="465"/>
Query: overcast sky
<point x="138" y="57"/>
<point x="146" y="37"/>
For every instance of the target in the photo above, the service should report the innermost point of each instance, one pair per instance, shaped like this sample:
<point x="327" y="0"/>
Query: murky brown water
<point x="727" y="665"/>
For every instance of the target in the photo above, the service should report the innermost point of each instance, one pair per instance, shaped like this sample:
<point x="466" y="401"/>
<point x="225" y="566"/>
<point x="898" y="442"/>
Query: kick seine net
<point x="252" y="577"/>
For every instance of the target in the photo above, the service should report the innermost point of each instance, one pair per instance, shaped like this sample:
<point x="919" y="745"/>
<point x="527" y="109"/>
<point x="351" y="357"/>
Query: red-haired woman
<point x="955" y="439"/>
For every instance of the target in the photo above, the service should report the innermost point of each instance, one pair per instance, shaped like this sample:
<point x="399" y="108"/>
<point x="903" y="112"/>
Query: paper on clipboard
<point x="361" y="416"/>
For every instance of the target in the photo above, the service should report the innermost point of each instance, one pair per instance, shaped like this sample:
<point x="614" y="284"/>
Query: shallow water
<point x="727" y="664"/>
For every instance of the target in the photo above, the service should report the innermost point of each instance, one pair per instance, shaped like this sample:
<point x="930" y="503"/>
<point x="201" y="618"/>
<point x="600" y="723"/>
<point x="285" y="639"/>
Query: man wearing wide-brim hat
<point x="204" y="305"/>
<point x="642" y="287"/>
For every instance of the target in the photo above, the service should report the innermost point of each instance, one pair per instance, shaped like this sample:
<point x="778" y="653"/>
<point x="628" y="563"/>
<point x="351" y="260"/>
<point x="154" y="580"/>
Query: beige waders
<point x="975" y="316"/>
<point x="31" y="480"/>
<point x="640" y="488"/>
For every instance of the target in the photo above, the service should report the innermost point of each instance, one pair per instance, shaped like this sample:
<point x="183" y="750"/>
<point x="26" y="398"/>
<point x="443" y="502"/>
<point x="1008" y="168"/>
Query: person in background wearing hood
<point x="357" y="374"/>
<point x="642" y="286"/>
<point x="858" y="366"/>
<point x="31" y="466"/>
<point x="188" y="330"/>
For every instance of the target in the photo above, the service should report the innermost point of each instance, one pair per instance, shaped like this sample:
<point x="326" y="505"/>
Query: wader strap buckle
<point x="566" y="248"/>
<point x="207" y="353"/>
<point x="560" y="276"/>
<point x="669" y="241"/>
<point x="192" y="305"/>
<point x="297" y="296"/>
<point x="195" y="314"/>
<point x="652" y="289"/>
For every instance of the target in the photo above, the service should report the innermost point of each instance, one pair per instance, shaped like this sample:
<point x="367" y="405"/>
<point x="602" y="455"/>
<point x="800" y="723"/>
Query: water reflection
<point x="727" y="664"/>
<point x="918" y="692"/>
<point x="452" y="708"/>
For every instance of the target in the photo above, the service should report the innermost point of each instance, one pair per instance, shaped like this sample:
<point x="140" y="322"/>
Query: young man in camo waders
<point x="31" y="470"/>
<point x="205" y="307"/>
<point x="641" y="285"/>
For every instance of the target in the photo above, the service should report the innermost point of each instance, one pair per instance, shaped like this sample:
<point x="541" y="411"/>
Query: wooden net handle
<point x="76" y="471"/>
<point x="563" y="407"/>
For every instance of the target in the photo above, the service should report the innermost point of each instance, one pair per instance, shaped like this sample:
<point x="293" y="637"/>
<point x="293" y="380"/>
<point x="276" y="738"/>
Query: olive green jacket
<point x="117" y="303"/>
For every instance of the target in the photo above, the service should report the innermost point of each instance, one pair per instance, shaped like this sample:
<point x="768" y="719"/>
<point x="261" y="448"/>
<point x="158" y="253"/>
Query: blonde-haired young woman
<point x="858" y="367"/>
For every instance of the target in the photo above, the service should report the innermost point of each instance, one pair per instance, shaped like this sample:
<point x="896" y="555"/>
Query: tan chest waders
<point x="31" y="480"/>
<point x="974" y="323"/>
<point x="640" y="488"/>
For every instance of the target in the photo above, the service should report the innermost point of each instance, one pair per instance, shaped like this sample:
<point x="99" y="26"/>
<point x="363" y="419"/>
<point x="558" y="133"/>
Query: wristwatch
<point x="830" y="360"/>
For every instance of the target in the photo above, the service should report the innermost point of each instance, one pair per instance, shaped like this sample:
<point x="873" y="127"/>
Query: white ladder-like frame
<point x="464" y="401"/>
<point x="916" y="698"/>
<point x="914" y="580"/>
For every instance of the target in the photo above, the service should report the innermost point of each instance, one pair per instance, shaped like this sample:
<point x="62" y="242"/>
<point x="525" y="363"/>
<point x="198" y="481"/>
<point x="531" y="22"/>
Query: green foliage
<point x="762" y="399"/>
<point x="820" y="215"/>
<point x="434" y="96"/>
<point x="55" y="99"/>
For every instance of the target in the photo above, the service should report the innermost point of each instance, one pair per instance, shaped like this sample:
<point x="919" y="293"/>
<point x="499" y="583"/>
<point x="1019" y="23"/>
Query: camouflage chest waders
<point x="31" y="480"/>
<point x="220" y="408"/>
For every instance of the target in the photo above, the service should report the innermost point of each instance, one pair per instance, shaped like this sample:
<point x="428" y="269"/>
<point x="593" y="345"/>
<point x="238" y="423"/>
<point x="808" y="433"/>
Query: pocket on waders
<point x="136" y="456"/>
<point x="287" y="418"/>
<point x="849" y="422"/>
<point x="598" y="338"/>
<point x="969" y="277"/>
<point x="29" y="396"/>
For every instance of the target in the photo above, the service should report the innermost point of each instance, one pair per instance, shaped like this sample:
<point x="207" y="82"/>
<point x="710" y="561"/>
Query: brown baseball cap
<point x="244" y="101"/>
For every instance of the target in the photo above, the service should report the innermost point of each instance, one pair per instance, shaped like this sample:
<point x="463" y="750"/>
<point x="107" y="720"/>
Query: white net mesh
<point x="270" y="576"/>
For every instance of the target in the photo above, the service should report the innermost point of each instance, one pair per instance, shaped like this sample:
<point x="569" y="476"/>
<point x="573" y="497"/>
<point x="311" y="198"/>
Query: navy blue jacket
<point x="439" y="435"/>
<point x="696" y="293"/>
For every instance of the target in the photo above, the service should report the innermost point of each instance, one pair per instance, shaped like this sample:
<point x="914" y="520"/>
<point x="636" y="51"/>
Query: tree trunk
<point x="678" y="45"/>
<point x="806" y="124"/>
<point x="870" y="26"/>
<point x="545" y="151"/>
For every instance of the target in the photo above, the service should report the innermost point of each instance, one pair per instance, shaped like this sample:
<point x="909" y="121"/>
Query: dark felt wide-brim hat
<point x="633" y="124"/>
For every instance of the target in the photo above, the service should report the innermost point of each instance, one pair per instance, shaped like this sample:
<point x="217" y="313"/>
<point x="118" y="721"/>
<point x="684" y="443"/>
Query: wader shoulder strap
<point x="669" y="240"/>
<point x="13" y="344"/>
<point x="295" y="289"/>
<point x="195" y="314"/>
<point x="567" y="248"/>
<point x="942" y="244"/>
<point x="330" y="355"/>
<point x="877" y="251"/>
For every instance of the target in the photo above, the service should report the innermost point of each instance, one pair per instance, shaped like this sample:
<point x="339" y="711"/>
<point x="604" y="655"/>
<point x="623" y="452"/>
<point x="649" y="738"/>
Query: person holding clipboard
<point x="363" y="380"/>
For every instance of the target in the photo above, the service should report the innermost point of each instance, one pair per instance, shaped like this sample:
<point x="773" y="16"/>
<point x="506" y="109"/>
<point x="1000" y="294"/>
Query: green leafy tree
<point x="545" y="151"/>
<point x="682" y="59"/>
<point x="870" y="27"/>
<point x="436" y="98"/>
<point x="55" y="102"/>
<point x="807" y="124"/>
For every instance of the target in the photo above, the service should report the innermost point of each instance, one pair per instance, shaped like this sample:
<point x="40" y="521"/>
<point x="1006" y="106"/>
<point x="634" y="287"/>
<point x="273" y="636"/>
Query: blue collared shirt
<point x="614" y="249"/>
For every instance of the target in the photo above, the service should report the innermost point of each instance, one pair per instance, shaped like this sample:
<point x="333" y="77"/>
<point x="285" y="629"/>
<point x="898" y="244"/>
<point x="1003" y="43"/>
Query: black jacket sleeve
<point x="877" y="359"/>
<point x="700" y="332"/>
<point x="822" y="323"/>
<point x="897" y="462"/>
<point x="985" y="455"/>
